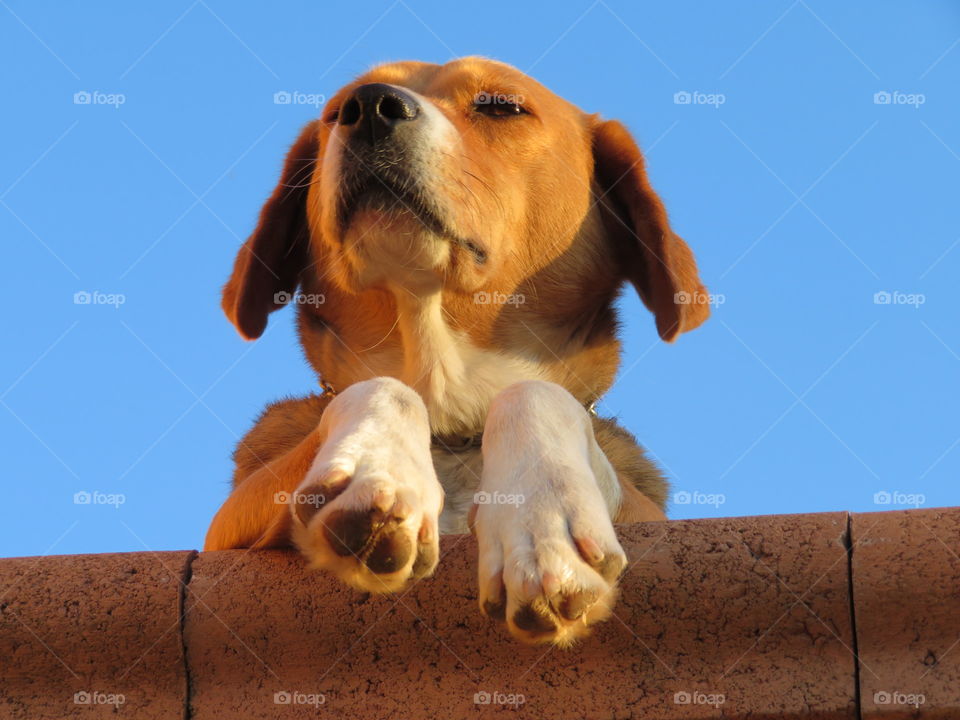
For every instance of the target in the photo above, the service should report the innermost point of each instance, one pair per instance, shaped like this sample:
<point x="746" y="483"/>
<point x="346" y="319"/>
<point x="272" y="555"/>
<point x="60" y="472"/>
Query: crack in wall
<point x="182" y="611"/>
<point x="848" y="541"/>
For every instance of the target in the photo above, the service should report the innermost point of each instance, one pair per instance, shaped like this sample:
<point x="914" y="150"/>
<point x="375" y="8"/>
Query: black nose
<point x="376" y="109"/>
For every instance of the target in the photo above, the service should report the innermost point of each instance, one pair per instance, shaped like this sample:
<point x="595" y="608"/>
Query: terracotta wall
<point x="732" y="618"/>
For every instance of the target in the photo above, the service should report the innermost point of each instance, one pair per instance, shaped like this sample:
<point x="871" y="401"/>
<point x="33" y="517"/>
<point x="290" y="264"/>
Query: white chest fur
<point x="456" y="379"/>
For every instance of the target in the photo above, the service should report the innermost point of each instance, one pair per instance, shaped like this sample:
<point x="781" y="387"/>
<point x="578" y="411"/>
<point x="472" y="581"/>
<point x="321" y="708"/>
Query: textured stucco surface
<point x="104" y="626"/>
<point x="906" y="571"/>
<point x="727" y="618"/>
<point x="754" y="609"/>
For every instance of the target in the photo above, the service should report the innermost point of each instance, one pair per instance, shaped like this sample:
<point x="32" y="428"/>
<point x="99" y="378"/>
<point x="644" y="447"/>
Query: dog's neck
<point x="456" y="379"/>
<point x="432" y="354"/>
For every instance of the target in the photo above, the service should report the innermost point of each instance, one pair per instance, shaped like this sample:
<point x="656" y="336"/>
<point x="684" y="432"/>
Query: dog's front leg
<point x="549" y="556"/>
<point x="368" y="508"/>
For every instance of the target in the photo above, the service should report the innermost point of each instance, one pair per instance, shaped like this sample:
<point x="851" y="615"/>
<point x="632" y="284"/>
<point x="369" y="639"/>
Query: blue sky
<point x="802" y="192"/>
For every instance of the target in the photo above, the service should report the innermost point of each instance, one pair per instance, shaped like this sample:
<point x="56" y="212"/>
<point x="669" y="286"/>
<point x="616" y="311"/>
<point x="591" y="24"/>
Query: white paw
<point x="369" y="506"/>
<point x="548" y="571"/>
<point x="549" y="556"/>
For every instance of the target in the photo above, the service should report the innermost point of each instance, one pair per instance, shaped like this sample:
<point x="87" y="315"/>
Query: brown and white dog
<point x="455" y="237"/>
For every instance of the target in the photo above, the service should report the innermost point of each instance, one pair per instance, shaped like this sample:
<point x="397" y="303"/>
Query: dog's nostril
<point x="393" y="107"/>
<point x="349" y="113"/>
<point x="375" y="110"/>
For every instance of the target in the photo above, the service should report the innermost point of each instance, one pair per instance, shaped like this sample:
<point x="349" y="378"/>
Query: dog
<point x="454" y="238"/>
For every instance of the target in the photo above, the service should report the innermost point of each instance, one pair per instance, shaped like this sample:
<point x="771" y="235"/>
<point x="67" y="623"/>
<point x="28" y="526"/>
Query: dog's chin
<point x="386" y="246"/>
<point x="394" y="247"/>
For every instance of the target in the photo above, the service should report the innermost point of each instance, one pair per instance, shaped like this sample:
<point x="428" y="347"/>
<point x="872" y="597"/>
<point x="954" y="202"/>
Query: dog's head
<point x="460" y="178"/>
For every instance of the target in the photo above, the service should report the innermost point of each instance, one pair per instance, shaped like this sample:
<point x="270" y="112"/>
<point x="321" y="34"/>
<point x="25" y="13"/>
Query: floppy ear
<point x="657" y="262"/>
<point x="267" y="269"/>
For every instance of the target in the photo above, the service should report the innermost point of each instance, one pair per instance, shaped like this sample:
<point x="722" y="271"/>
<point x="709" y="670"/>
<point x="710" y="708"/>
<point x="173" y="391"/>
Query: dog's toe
<point x="574" y="605"/>
<point x="390" y="552"/>
<point x="428" y="551"/>
<point x="348" y="532"/>
<point x="536" y="622"/>
<point x="375" y="535"/>
<point x="548" y="589"/>
<point x="610" y="562"/>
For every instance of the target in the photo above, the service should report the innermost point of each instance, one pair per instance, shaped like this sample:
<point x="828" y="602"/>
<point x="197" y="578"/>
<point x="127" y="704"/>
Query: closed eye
<point x="499" y="105"/>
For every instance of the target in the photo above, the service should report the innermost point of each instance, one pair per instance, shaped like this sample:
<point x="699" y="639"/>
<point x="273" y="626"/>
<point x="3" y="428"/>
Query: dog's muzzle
<point x="385" y="130"/>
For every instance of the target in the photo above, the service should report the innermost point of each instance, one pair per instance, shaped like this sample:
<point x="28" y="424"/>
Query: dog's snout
<point x="376" y="109"/>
